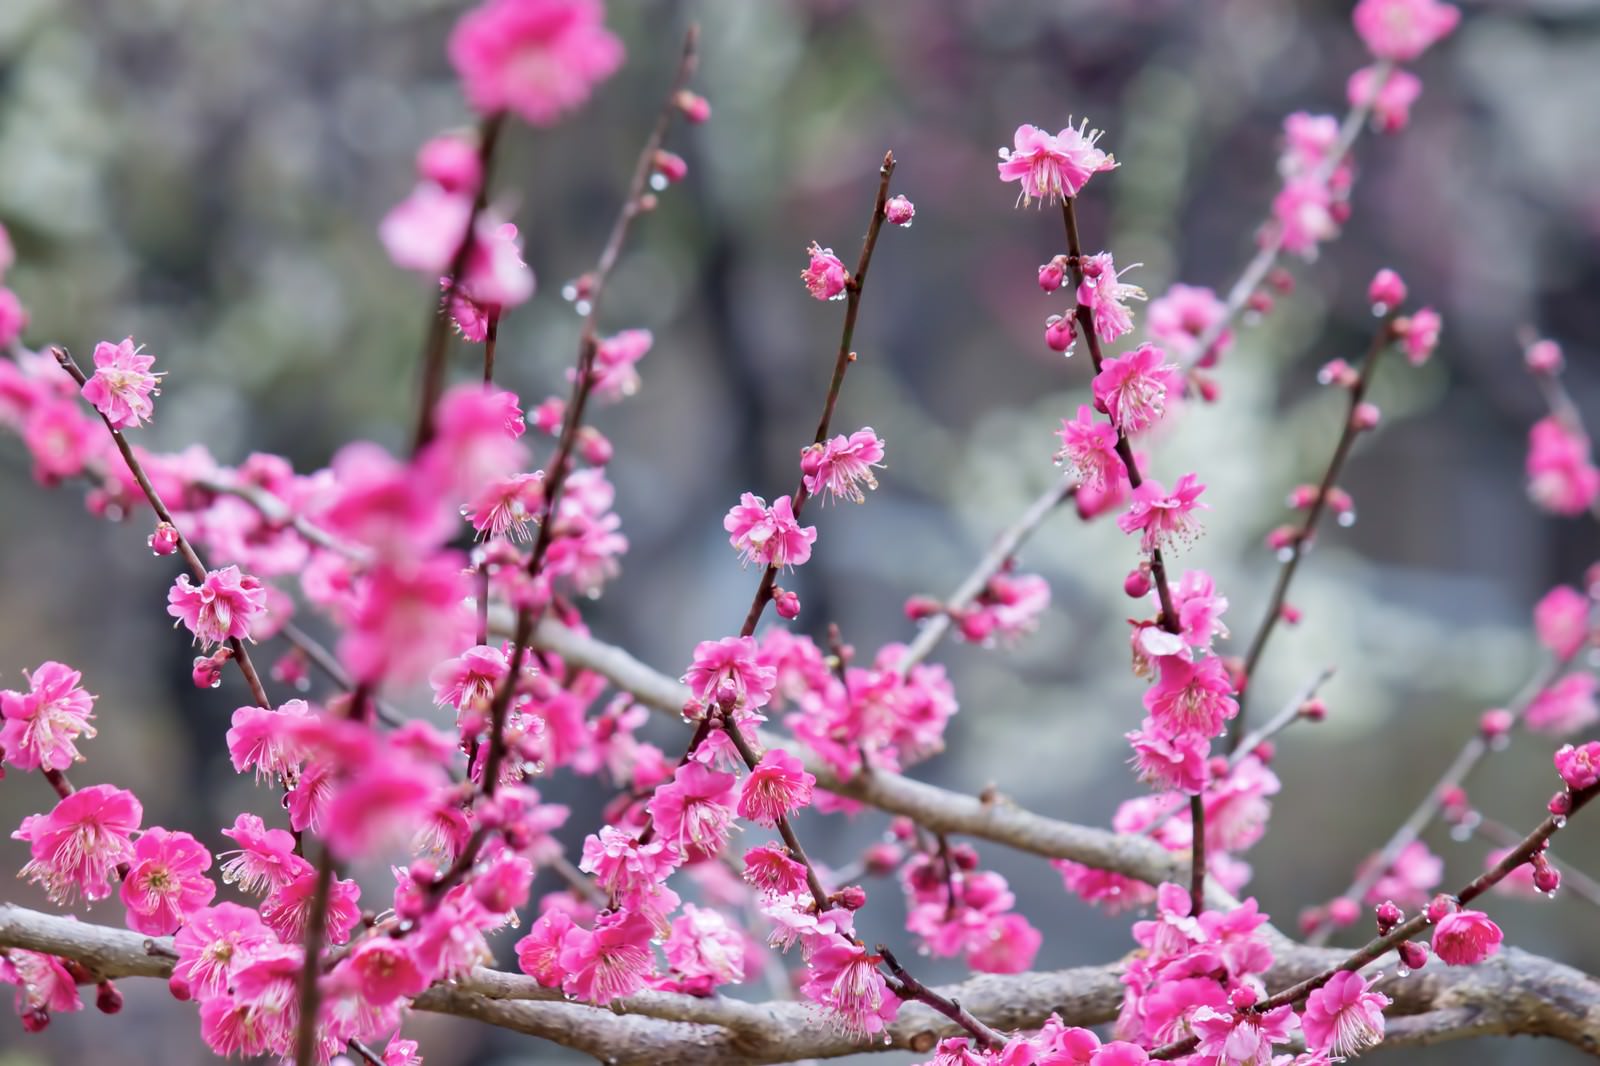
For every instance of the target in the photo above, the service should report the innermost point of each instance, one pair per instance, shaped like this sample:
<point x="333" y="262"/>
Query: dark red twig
<point x="908" y="987"/>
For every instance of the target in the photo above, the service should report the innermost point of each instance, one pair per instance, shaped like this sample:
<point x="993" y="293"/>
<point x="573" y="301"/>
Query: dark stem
<point x="908" y="987"/>
<point x="310" y="993"/>
<point x="785" y="830"/>
<point x="438" y="339"/>
<point x="197" y="567"/>
<point x="841" y="363"/>
<point x="1085" y="316"/>
<point x="1197" y="855"/>
<point x="1308" y="528"/>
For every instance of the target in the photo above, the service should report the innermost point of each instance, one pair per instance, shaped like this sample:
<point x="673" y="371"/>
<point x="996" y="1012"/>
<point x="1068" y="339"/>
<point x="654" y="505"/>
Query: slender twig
<point x="367" y="1054"/>
<point x="971" y="587"/>
<point x="1271" y="245"/>
<point x="841" y="363"/>
<point x="560" y="464"/>
<point x="197" y="567"/>
<point x="324" y="660"/>
<point x="1580" y="883"/>
<point x="1301" y="542"/>
<point x="1085" y="315"/>
<point x="785" y="830"/>
<point x="1471" y="752"/>
<point x="1197" y="853"/>
<point x="278" y="513"/>
<point x="309" y="993"/>
<point x="438" y="337"/>
<point x="1375" y="949"/>
<point x="908" y="987"/>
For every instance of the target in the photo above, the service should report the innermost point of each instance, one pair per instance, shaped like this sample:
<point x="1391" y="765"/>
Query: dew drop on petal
<point x="1559" y="821"/>
<point x="1402" y="971"/>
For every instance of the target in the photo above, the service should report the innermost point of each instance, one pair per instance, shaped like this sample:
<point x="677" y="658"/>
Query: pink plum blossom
<point x="825" y="276"/>
<point x="1088" y="450"/>
<point x="1163" y="519"/>
<point x="769" y="536"/>
<point x="122" y="384"/>
<point x="1401" y="30"/>
<point x="777" y="786"/>
<point x="1564" y="707"/>
<point x="219" y="609"/>
<point x="1342" y="1017"/>
<point x="1562" y="477"/>
<point x="166" y="881"/>
<point x="1465" y="938"/>
<point x="843" y="465"/>
<point x="609" y="962"/>
<point x="1132" y="388"/>
<point x="80" y="843"/>
<point x="1106" y="296"/>
<point x="1052" y="168"/>
<point x="43" y="724"/>
<point x="539" y="59"/>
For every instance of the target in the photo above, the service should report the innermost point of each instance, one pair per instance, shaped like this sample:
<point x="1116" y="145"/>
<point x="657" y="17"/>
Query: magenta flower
<point x="408" y="618"/>
<point x="610" y="962"/>
<point x="1342" y="1017"/>
<point x="424" y="231"/>
<point x="1053" y="168"/>
<point x="776" y="787"/>
<point x="616" y="363"/>
<point x="1089" y="450"/>
<point x="1106" y="296"/>
<point x="266" y="858"/>
<point x="704" y="950"/>
<point x="1170" y="763"/>
<point x="624" y="867"/>
<point x="1243" y="1039"/>
<point x="385" y="969"/>
<point x="769" y="536"/>
<point x="1562" y="478"/>
<point x="899" y="212"/>
<point x="1416" y="872"/>
<point x="1007" y="944"/>
<point x="1303" y="213"/>
<point x="495" y="276"/>
<point x="287" y="909"/>
<point x="219" y="609"/>
<point x="1164" y="520"/>
<point x="13" y="317"/>
<point x="470" y="679"/>
<point x="166" y="881"/>
<point x="729" y="673"/>
<point x="1391" y="102"/>
<point x="842" y="465"/>
<point x="122" y="384"/>
<point x="537" y="58"/>
<point x="1419" y="334"/>
<point x="1465" y="938"/>
<point x="825" y="276"/>
<point x="1177" y="320"/>
<point x="60" y="439"/>
<point x="1401" y="30"/>
<point x="1565" y="707"/>
<point x="78" y="845"/>
<point x="1191" y="699"/>
<point x="42" y="724"/>
<point x="539" y="953"/>
<point x="43" y="985"/>
<point x="1132" y="388"/>
<point x="770" y="869"/>
<point x="843" y="977"/>
<point x="382" y="802"/>
<point x="1561" y="619"/>
<point x="1579" y="767"/>
<point x="695" y="809"/>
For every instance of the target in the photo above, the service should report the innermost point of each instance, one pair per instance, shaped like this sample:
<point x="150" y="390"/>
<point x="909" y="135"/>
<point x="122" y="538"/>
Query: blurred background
<point x="208" y="178"/>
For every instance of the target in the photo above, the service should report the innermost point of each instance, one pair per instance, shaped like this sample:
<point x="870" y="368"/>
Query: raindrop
<point x="1550" y="894"/>
<point x="658" y="182"/>
<point x="569" y="292"/>
<point x="1285" y="554"/>
<point x="1402" y="971"/>
<point x="216" y="682"/>
<point x="1379" y="310"/>
<point x="114" y="513"/>
<point x="583" y="307"/>
<point x="1461" y="833"/>
<point x="302" y="684"/>
<point x="908" y="225"/>
<point x="1560" y="821"/>
<point x="1347" y="518"/>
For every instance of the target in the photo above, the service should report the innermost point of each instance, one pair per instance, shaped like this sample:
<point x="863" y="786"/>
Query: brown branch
<point x="433" y="351"/>
<point x="1513" y="993"/>
<point x="197" y="567"/>
<point x="1381" y="341"/>
<point x="909" y="988"/>
<point x="841" y="363"/>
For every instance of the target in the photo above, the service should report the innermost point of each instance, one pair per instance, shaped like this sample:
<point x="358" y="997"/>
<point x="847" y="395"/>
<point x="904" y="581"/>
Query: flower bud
<point x="1365" y="416"/>
<point x="1281" y="280"/>
<point x="1137" y="583"/>
<point x="1290" y="614"/>
<point x="965" y="856"/>
<point x="1560" y="804"/>
<point x="1413" y="955"/>
<point x="787" y="603"/>
<point x="107" y="998"/>
<point x="1052" y="274"/>
<point x="451" y="163"/>
<point x="1338" y="372"/>
<point x="1343" y="911"/>
<point x="1314" y="710"/>
<point x="207" y="671"/>
<point x="1260" y="302"/>
<point x="1546" y="878"/>
<point x="670" y="166"/>
<point x="1441" y="907"/>
<point x="164" y="541"/>
<point x="882" y="859"/>
<point x="1496" y="723"/>
<point x="594" y="447"/>
<point x="1386" y="292"/>
<point x="851" y="897"/>
<point x="899" y="211"/>
<point x="1389" y="915"/>
<point x="920" y="607"/>
<point x="1544" y="357"/>
<point x="1060" y="332"/>
<point x="1242" y="998"/>
<point x="179" y="988"/>
<point x="695" y="108"/>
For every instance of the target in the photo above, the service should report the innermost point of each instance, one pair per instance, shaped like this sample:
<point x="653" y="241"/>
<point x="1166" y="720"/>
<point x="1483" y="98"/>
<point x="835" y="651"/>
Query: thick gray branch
<point x="1514" y="993"/>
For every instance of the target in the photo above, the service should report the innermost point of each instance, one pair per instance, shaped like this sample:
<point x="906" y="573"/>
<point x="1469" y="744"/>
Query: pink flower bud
<point x="976" y="626"/>
<point x="594" y="447"/>
<point x="291" y="669"/>
<point x="107" y="998"/>
<point x="920" y="607"/>
<point x="35" y="1020"/>
<point x="851" y="897"/>
<point x="1389" y="915"/>
<point x="1242" y="998"/>
<point x="1311" y="919"/>
<point x="695" y="107"/>
<point x="1137" y="584"/>
<point x="1281" y="280"/>
<point x="1052" y="274"/>
<point x="1386" y="292"/>
<point x="903" y="829"/>
<point x="1365" y="416"/>
<point x="1302" y="497"/>
<point x="1560" y="804"/>
<point x="965" y="856"/>
<point x="1339" y="211"/>
<point x="1546" y="878"/>
<point x="1340" y="501"/>
<point x="208" y="668"/>
<point x="1260" y="302"/>
<point x="1579" y="767"/>
<point x="882" y="859"/>
<point x="1338" y="372"/>
<point x="1344" y="912"/>
<point x="452" y="164"/>
<point x="164" y="541"/>
<point x="899" y="211"/>
<point x="1290" y="614"/>
<point x="1313" y="710"/>
<point x="670" y="166"/>
<point x="825" y="276"/>
<point x="1413" y="955"/>
<point x="1440" y="907"/>
<point x="1208" y="389"/>
<point x="1544" y="357"/>
<point x="1060" y="332"/>
<point x="1283" y="537"/>
<point x="179" y="988"/>
<point x="1496" y="723"/>
<point x="787" y="604"/>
